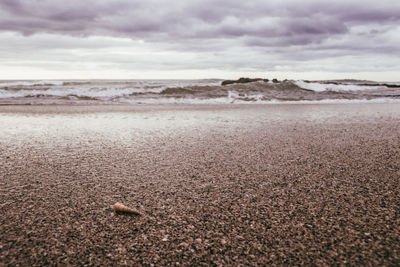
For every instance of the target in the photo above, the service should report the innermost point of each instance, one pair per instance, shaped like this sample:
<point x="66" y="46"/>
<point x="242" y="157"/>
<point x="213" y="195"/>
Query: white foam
<point x="146" y="90"/>
<point x="227" y="100"/>
<point x="320" y="87"/>
<point x="235" y="96"/>
<point x="336" y="101"/>
<point x="174" y="100"/>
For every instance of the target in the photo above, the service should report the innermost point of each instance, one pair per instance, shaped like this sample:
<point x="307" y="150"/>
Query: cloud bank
<point x="233" y="36"/>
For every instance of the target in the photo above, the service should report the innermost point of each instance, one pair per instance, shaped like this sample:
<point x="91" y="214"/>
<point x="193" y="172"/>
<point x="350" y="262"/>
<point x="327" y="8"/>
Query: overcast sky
<point x="200" y="39"/>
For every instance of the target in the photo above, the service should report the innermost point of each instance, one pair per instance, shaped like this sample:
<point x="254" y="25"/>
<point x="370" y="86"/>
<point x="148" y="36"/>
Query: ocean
<point x="206" y="91"/>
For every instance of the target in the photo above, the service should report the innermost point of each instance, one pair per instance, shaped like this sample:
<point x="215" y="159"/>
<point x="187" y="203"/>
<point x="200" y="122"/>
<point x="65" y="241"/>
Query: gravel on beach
<point x="218" y="185"/>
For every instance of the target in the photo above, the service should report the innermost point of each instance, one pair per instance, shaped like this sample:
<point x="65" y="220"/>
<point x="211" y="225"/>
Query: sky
<point x="193" y="39"/>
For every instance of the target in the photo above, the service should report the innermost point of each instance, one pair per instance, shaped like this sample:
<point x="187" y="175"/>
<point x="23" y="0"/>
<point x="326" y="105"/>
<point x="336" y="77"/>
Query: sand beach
<point x="306" y="184"/>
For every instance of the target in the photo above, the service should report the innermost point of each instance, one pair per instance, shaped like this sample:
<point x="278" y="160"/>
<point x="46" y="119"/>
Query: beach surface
<point x="218" y="184"/>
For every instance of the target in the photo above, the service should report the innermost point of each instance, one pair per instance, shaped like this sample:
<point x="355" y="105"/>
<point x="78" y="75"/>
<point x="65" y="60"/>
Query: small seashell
<point x="120" y="208"/>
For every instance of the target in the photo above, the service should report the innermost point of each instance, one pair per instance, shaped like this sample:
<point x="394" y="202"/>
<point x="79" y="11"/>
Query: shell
<point x="120" y="208"/>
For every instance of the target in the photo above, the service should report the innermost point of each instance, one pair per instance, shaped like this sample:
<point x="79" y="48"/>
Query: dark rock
<point x="275" y="80"/>
<point x="243" y="80"/>
<point x="226" y="82"/>
<point x="392" y="85"/>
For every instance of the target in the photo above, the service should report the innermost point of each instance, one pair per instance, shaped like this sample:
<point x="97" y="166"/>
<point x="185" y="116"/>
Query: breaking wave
<point x="320" y="87"/>
<point x="208" y="91"/>
<point x="80" y="92"/>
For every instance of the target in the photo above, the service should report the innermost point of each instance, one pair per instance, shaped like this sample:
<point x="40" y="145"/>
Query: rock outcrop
<point x="243" y="80"/>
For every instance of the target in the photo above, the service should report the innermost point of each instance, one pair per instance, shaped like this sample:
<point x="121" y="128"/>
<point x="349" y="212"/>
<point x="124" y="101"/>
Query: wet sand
<point x="219" y="184"/>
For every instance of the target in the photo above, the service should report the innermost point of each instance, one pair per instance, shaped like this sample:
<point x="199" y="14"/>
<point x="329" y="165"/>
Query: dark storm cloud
<point x="168" y="20"/>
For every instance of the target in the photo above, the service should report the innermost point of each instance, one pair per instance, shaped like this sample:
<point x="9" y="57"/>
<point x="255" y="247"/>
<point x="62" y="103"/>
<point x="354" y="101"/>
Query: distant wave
<point x="29" y="83"/>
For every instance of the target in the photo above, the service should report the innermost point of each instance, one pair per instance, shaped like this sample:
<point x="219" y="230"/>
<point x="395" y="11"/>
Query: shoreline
<point x="178" y="101"/>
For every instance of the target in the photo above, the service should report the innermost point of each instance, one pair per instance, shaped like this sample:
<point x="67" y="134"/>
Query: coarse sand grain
<point x="219" y="184"/>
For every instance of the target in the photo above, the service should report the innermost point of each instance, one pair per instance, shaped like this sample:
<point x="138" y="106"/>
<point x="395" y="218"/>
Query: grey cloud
<point x="222" y="33"/>
<point x="191" y="19"/>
